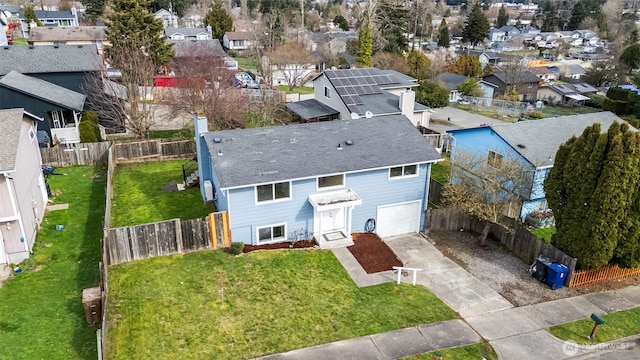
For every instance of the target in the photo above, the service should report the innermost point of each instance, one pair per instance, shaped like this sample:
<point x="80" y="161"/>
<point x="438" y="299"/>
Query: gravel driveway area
<point x="505" y="273"/>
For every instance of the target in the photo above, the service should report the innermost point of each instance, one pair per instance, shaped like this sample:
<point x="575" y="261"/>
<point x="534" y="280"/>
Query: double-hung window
<point x="494" y="159"/>
<point x="272" y="192"/>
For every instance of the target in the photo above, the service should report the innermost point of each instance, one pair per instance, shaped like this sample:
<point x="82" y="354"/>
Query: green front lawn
<point x="469" y="352"/>
<point x="302" y="90"/>
<point x="245" y="63"/>
<point x="41" y="311"/>
<point x="544" y="234"/>
<point x="210" y="305"/>
<point x="617" y="325"/>
<point x="139" y="197"/>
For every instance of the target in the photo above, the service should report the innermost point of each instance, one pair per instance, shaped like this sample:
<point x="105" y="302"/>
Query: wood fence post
<point x="179" y="235"/>
<point x="227" y="230"/>
<point x="212" y="231"/>
<point x="159" y="145"/>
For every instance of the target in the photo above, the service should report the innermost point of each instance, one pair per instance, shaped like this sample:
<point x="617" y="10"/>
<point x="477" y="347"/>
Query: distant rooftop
<point x="49" y="59"/>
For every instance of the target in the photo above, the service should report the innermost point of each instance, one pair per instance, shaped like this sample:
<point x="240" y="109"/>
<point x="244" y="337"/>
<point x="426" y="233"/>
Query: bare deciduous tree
<point x="483" y="185"/>
<point x="205" y="84"/>
<point x="292" y="60"/>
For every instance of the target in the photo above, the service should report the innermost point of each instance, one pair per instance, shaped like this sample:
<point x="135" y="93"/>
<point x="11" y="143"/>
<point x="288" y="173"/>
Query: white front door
<point x="332" y="220"/>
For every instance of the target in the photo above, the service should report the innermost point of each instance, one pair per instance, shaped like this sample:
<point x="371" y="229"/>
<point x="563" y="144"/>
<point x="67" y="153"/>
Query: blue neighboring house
<point x="322" y="180"/>
<point x="534" y="142"/>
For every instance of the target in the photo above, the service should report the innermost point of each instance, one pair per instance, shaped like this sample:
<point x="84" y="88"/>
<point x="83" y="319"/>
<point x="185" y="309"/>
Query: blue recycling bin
<point x="556" y="275"/>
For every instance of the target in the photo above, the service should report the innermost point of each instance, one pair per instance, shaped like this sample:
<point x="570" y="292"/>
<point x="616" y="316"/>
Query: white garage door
<point x="398" y="219"/>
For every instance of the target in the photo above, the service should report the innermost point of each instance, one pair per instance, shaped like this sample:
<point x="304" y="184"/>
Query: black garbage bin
<point x="539" y="268"/>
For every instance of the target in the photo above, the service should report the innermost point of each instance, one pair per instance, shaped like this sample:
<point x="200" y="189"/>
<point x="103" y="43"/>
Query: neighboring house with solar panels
<point x="364" y="93"/>
<point x="50" y="19"/>
<point x="321" y="180"/>
<point x="23" y="191"/>
<point x="574" y="94"/>
<point x="58" y="107"/>
<point x="533" y="142"/>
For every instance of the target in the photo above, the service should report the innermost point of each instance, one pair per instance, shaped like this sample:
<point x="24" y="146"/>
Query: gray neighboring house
<point x="188" y="33"/>
<point x="68" y="66"/>
<point x="573" y="94"/>
<point x="69" y="35"/>
<point x="23" y="191"/>
<point x="58" y="107"/>
<point x="368" y="93"/>
<point x="50" y="19"/>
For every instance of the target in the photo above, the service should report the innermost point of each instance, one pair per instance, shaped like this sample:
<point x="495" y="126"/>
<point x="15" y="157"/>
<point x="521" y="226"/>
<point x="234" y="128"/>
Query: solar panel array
<point x="352" y="83"/>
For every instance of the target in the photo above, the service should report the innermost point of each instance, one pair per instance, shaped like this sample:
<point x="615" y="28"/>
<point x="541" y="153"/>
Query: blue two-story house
<point x="534" y="142"/>
<point x="321" y="180"/>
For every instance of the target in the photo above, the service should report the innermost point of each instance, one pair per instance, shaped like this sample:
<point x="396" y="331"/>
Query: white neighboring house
<point x="169" y="18"/>
<point x="185" y="33"/>
<point x="49" y="19"/>
<point x="23" y="191"/>
<point x="238" y="40"/>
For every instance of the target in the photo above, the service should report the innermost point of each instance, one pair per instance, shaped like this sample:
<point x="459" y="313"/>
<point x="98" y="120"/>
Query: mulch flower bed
<point x="372" y="253"/>
<point x="303" y="244"/>
<point x="368" y="249"/>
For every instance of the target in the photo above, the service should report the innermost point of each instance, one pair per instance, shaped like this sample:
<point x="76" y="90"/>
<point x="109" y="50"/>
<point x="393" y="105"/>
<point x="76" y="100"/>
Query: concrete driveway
<point x="460" y="119"/>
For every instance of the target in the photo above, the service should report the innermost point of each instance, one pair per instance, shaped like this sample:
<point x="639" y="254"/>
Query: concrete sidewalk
<point x="514" y="333"/>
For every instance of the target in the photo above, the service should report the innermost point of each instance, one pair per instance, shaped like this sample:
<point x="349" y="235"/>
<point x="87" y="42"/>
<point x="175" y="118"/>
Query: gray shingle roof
<point x="451" y="80"/>
<point x="45" y="14"/>
<point x="10" y="123"/>
<point x="191" y="48"/>
<point x="66" y="33"/>
<point x="43" y="90"/>
<point x="309" y="109"/>
<point x="542" y="138"/>
<point x="49" y="59"/>
<point x="280" y="153"/>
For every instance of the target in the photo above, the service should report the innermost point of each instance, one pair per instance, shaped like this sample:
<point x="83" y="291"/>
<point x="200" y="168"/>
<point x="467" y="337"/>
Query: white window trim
<point x="318" y="188"/>
<point x="403" y="176"/>
<point x="255" y="192"/>
<point x="284" y="238"/>
<point x="327" y="92"/>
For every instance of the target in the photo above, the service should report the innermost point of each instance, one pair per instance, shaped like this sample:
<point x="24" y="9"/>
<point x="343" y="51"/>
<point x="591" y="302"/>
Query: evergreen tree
<point x="503" y="17"/>
<point x="219" y="20"/>
<point x="468" y="65"/>
<point x="631" y="57"/>
<point x="432" y="95"/>
<point x="550" y="21"/>
<point x="341" y="22"/>
<point x="365" y="46"/>
<point x="93" y="9"/>
<point x="443" y="35"/>
<point x="592" y="191"/>
<point x="578" y="14"/>
<point x="419" y="65"/>
<point x="30" y="17"/>
<point x="477" y="26"/>
<point x="131" y="25"/>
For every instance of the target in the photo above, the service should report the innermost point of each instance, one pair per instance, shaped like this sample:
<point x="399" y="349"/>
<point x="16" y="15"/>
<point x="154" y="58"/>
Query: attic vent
<point x="217" y="140"/>
<point x="521" y="146"/>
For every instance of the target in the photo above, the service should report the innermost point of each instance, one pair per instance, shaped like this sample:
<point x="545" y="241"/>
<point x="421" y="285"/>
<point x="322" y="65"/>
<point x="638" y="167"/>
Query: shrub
<point x="616" y="93"/>
<point x="535" y="114"/>
<point x="236" y="247"/>
<point x="596" y="100"/>
<point x="89" y="127"/>
<point x="232" y="53"/>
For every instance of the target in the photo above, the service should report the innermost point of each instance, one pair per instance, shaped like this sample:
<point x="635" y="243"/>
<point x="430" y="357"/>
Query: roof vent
<point x="219" y="152"/>
<point x="56" y="46"/>
<point x="217" y="140"/>
<point x="521" y="146"/>
<point x="339" y="147"/>
<point x="349" y="142"/>
<point x="6" y="47"/>
<point x="79" y="46"/>
<point x="31" y="46"/>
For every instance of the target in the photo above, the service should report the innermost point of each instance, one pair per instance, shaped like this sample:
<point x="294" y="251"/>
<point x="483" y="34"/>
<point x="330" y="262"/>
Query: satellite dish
<point x="355" y="115"/>
<point x="368" y="114"/>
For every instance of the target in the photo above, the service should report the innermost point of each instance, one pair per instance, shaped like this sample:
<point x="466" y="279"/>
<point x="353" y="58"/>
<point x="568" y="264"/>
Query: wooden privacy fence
<point x="608" y="272"/>
<point x="519" y="240"/>
<point x="154" y="150"/>
<point x="130" y="243"/>
<point x="435" y="191"/>
<point x="77" y="154"/>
